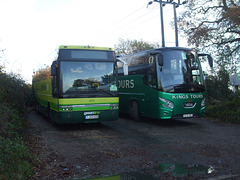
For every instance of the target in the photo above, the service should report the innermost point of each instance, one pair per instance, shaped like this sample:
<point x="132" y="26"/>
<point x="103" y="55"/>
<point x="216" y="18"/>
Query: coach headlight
<point x="168" y="104"/>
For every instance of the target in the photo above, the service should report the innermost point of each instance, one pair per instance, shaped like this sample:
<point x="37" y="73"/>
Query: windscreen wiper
<point x="107" y="92"/>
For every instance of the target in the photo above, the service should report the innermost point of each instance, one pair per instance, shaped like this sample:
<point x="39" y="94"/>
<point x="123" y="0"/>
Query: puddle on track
<point x="123" y="176"/>
<point x="182" y="170"/>
<point x="174" y="170"/>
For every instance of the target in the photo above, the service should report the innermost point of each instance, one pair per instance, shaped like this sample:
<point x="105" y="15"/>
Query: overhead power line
<point x="130" y="15"/>
<point x="130" y="25"/>
<point x="125" y="24"/>
<point x="175" y="5"/>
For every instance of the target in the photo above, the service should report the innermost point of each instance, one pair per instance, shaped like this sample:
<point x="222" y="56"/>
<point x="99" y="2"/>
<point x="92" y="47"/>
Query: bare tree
<point x="214" y="25"/>
<point x="125" y="47"/>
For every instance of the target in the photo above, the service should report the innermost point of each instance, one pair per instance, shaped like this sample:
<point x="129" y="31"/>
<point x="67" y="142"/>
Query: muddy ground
<point x="141" y="148"/>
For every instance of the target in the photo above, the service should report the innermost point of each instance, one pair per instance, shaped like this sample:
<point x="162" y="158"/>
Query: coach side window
<point x="151" y="78"/>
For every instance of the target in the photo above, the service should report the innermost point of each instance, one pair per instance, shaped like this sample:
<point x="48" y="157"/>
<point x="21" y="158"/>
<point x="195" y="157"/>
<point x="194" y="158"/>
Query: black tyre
<point x="135" y="111"/>
<point x="49" y="117"/>
<point x="49" y="113"/>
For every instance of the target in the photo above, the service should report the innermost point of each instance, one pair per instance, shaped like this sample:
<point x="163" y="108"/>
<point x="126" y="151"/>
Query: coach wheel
<point x="48" y="112"/>
<point x="50" y="119"/>
<point x="135" y="111"/>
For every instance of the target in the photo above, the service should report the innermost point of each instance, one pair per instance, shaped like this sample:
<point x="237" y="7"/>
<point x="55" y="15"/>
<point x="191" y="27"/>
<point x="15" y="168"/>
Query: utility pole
<point x="175" y="24"/>
<point x="175" y="5"/>
<point x="162" y="24"/>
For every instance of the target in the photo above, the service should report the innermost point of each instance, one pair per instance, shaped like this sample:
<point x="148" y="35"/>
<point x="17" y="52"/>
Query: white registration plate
<point x="92" y="117"/>
<point x="187" y="115"/>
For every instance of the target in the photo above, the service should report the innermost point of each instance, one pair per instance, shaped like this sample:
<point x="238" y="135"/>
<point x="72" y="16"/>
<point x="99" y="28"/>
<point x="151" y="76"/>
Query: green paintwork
<point x="86" y="47"/>
<point x="149" y="103"/>
<point x="74" y="110"/>
<point x="162" y="83"/>
<point x="75" y="117"/>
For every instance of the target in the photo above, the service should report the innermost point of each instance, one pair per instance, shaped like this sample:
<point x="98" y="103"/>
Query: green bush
<point x="11" y="124"/>
<point x="225" y="111"/>
<point x="222" y="104"/>
<point x="217" y="87"/>
<point x="15" y="157"/>
<point x="14" y="92"/>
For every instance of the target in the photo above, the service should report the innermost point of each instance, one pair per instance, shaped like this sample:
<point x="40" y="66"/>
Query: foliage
<point x="225" y="111"/>
<point x="10" y="122"/>
<point x="15" y="159"/>
<point x="214" y="26"/>
<point x="1" y="60"/>
<point x="217" y="86"/>
<point x="43" y="73"/>
<point x="15" y="156"/>
<point x="14" y="92"/>
<point x="222" y="104"/>
<point x="1" y="68"/>
<point x="125" y="47"/>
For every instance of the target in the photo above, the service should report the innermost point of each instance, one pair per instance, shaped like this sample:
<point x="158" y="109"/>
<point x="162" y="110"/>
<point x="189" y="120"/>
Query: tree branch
<point x="227" y="42"/>
<point x="225" y="7"/>
<point x="209" y="8"/>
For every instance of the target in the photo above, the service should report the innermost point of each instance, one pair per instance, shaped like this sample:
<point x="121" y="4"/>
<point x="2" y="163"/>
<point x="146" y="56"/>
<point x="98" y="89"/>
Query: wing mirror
<point x="54" y="68"/>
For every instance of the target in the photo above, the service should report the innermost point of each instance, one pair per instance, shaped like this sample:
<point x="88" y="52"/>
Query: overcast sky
<point x="30" y="30"/>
